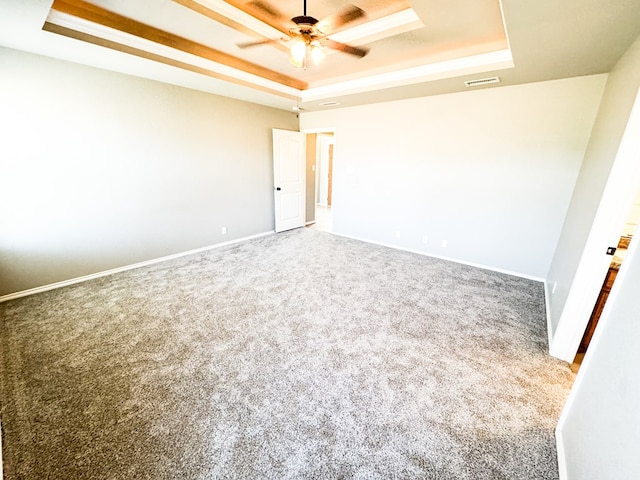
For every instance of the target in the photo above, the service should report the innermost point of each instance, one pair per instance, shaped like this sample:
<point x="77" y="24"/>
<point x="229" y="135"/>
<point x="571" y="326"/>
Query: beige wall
<point x="490" y="171"/>
<point x="101" y="170"/>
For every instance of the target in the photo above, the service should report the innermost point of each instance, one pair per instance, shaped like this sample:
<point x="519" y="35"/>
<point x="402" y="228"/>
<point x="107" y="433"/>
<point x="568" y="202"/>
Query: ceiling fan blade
<point x="263" y="8"/>
<point x="258" y="42"/>
<point x="351" y="50"/>
<point x="341" y="18"/>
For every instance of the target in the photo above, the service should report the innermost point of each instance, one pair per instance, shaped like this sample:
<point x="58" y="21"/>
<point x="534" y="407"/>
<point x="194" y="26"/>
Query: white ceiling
<point x="417" y="48"/>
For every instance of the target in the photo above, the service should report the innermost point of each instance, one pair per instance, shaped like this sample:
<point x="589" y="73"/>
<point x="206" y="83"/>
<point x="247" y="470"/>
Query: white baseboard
<point x="84" y="278"/>
<point x="547" y="309"/>
<point x="449" y="259"/>
<point x="72" y="281"/>
<point x="562" y="461"/>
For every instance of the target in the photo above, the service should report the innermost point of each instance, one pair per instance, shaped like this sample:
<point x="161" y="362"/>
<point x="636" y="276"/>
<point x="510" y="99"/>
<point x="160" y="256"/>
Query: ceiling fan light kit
<point x="303" y="54"/>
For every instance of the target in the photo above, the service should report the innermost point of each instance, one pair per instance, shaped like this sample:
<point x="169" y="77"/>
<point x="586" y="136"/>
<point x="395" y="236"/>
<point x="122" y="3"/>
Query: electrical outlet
<point x="444" y="244"/>
<point x="224" y="230"/>
<point x="425" y="239"/>
<point x="397" y="234"/>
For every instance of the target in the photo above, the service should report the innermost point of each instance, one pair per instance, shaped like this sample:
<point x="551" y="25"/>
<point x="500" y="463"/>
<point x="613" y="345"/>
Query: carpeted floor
<point x="301" y="355"/>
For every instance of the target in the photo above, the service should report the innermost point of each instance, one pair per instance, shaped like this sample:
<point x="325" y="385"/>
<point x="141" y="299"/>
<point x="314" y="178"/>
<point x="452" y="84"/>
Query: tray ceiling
<point x="407" y="45"/>
<point x="416" y="48"/>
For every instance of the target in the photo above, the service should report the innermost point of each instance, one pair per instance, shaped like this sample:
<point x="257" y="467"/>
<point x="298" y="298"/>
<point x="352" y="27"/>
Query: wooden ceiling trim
<point x="101" y="16"/>
<point x="85" y="37"/>
<point x="217" y="17"/>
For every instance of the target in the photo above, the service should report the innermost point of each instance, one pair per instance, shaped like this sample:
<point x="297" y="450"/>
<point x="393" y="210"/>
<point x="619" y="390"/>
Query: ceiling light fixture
<point x="308" y="37"/>
<point x="303" y="52"/>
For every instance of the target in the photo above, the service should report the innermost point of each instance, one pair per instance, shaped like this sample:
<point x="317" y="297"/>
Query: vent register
<point x="481" y="81"/>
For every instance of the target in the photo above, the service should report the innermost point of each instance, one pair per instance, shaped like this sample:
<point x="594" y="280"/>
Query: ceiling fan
<point x="308" y="36"/>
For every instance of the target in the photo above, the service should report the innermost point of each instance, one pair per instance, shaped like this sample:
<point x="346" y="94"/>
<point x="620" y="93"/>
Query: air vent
<point x="481" y="81"/>
<point x="329" y="104"/>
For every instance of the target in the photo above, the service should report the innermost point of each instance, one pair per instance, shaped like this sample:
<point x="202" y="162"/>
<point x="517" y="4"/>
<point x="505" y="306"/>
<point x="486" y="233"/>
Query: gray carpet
<point x="301" y="355"/>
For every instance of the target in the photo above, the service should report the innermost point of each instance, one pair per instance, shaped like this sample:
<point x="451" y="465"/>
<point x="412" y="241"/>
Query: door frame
<point x="331" y="130"/>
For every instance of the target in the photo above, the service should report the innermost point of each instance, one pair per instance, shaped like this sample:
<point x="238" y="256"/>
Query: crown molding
<point x="484" y="62"/>
<point x="385" y="27"/>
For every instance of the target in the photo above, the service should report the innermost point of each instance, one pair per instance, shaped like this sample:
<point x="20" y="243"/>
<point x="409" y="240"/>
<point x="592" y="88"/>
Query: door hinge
<point x="611" y="250"/>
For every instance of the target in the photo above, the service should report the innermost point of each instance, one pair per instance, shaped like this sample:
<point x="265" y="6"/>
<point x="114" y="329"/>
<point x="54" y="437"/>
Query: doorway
<point x="320" y="163"/>
<point x="630" y="227"/>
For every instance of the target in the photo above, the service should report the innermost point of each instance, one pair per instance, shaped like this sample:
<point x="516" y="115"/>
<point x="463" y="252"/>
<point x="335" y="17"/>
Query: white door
<point x="289" y="179"/>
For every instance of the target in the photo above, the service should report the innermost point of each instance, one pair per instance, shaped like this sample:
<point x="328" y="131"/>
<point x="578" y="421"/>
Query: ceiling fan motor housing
<point x="304" y="20"/>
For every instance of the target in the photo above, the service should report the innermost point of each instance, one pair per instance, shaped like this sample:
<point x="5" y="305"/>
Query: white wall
<point x="490" y="171"/>
<point x="633" y="216"/>
<point x="617" y="102"/>
<point x="599" y="430"/>
<point x="100" y="170"/>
